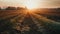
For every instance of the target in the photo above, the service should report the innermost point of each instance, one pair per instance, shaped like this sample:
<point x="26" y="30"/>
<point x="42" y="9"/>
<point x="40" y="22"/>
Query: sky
<point x="38" y="3"/>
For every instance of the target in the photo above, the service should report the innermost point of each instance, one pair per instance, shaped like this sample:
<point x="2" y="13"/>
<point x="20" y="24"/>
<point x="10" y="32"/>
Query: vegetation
<point x="39" y="23"/>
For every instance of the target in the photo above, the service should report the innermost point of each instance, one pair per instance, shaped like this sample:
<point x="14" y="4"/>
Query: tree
<point x="0" y="8"/>
<point x="11" y="8"/>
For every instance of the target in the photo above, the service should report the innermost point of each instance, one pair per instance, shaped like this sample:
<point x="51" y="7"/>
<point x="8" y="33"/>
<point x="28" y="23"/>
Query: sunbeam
<point x="38" y="23"/>
<point x="44" y="19"/>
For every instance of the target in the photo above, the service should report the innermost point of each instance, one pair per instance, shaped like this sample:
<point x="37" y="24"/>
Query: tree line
<point x="12" y="8"/>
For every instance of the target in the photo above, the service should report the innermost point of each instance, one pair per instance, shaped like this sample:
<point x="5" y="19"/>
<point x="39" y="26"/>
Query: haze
<point x="38" y="3"/>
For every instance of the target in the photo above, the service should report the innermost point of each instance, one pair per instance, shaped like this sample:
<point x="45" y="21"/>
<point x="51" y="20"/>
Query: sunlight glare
<point x="30" y="4"/>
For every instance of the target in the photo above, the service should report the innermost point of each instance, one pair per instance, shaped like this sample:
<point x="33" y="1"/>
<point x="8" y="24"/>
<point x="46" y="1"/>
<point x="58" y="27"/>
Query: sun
<point x="30" y="4"/>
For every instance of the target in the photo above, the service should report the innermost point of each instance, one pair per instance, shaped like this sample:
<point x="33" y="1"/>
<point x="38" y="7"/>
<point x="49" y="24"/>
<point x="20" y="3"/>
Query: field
<point x="26" y="22"/>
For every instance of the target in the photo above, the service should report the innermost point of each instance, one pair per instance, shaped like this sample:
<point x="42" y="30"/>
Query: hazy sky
<point x="39" y="3"/>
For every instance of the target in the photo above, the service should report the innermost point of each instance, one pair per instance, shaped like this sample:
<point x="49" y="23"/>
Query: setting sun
<point x="30" y="4"/>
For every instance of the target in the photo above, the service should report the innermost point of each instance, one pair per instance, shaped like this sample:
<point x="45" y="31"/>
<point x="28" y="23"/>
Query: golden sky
<point x="37" y="3"/>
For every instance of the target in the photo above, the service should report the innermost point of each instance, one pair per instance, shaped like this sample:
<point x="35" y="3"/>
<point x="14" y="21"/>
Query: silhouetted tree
<point x="0" y="8"/>
<point x="20" y="8"/>
<point x="11" y="8"/>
